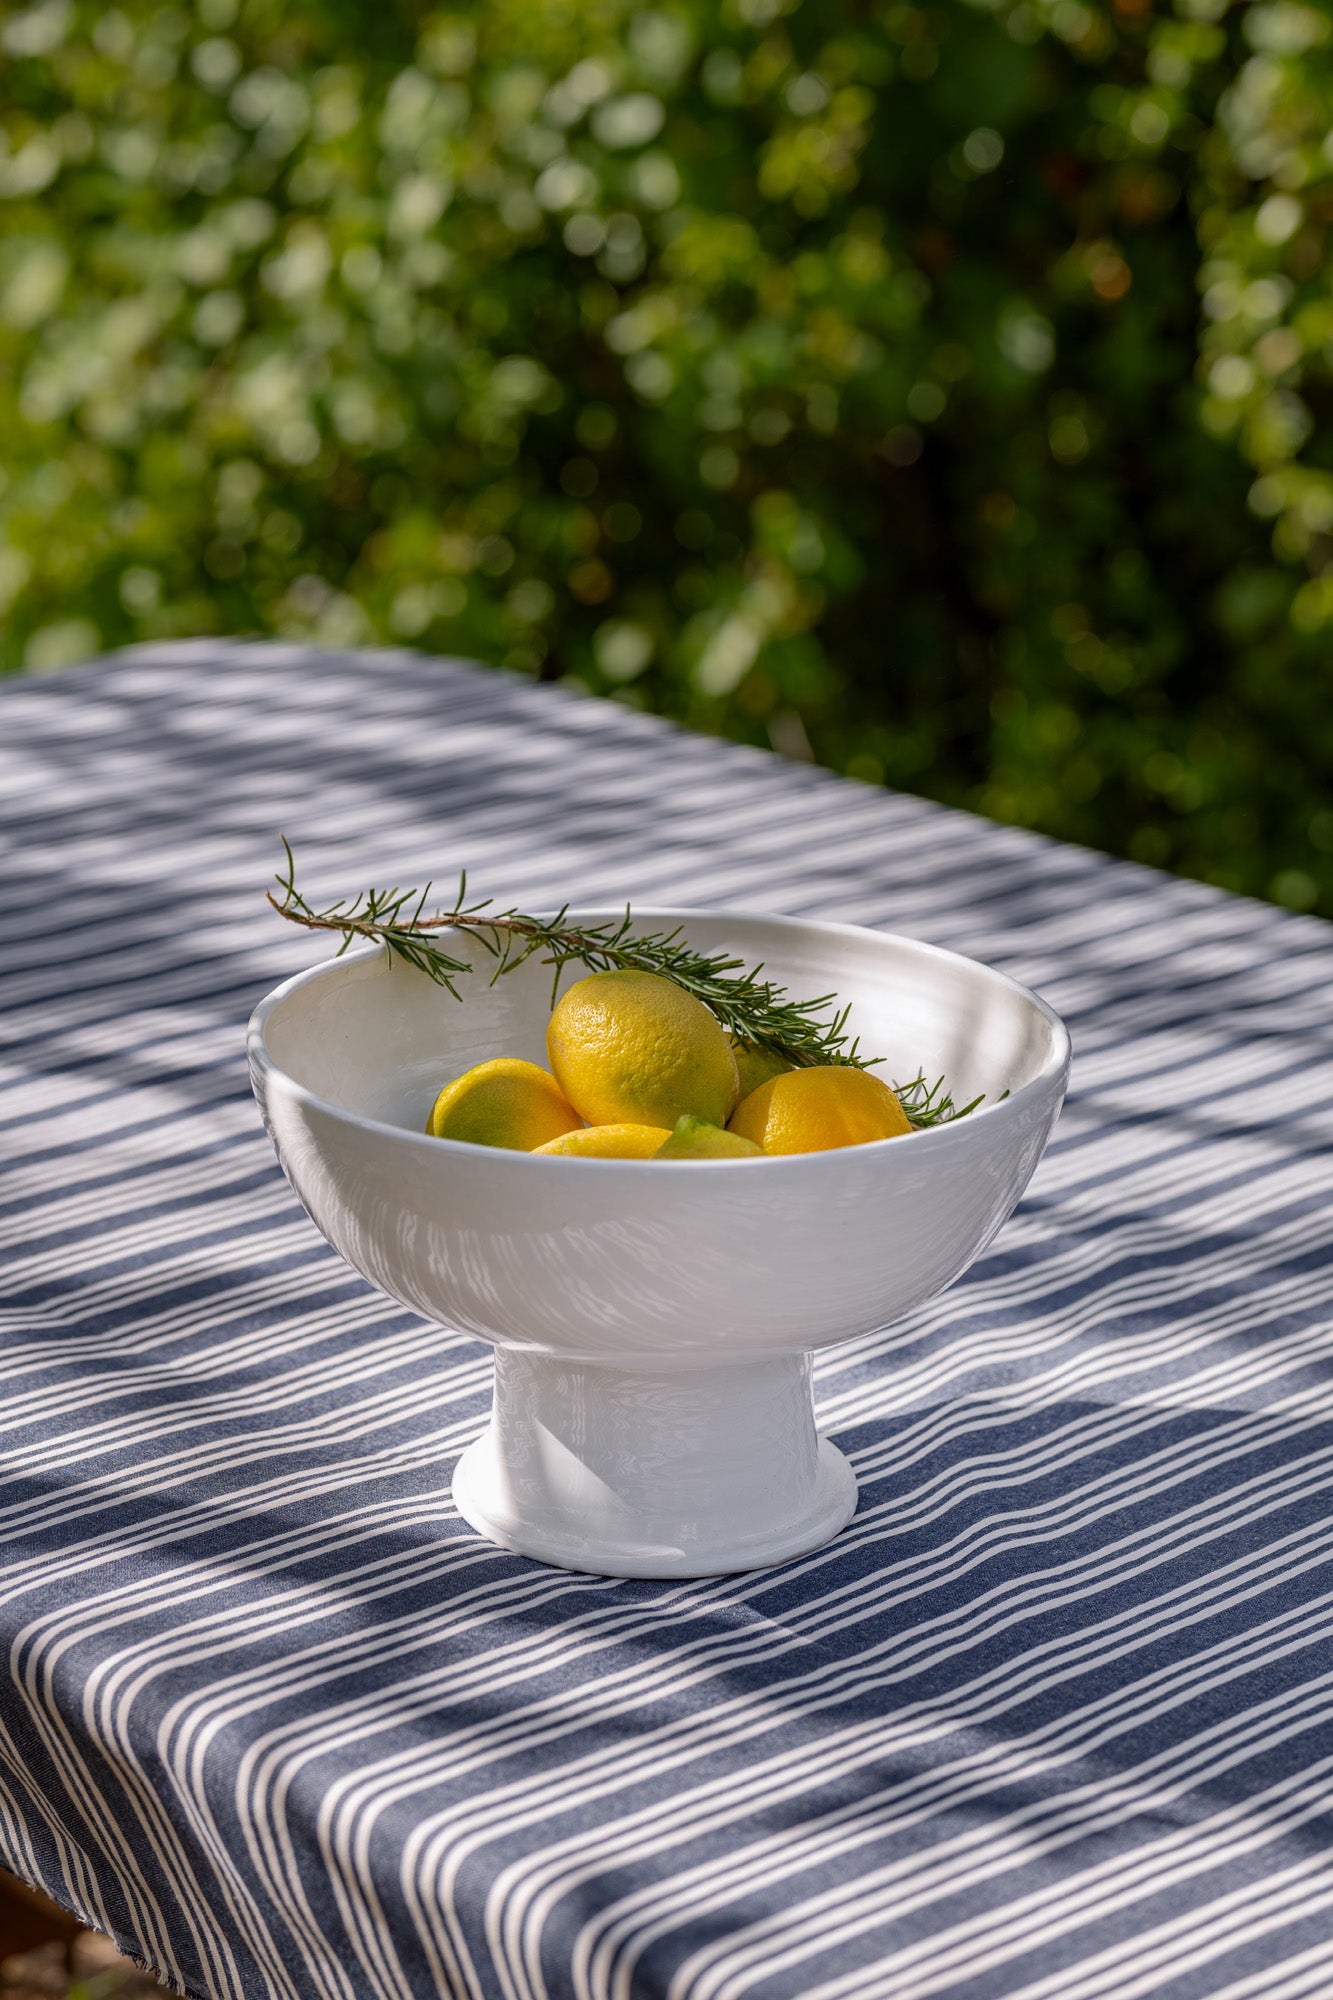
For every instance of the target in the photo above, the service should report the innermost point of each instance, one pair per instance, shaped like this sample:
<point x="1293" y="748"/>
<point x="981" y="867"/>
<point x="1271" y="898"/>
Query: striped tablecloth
<point x="1054" y="1716"/>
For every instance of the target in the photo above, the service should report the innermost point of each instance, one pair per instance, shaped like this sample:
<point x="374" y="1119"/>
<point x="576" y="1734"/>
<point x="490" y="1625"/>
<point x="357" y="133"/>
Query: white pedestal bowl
<point x="654" y="1322"/>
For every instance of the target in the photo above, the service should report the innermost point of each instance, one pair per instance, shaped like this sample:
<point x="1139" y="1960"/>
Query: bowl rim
<point x="1052" y="1076"/>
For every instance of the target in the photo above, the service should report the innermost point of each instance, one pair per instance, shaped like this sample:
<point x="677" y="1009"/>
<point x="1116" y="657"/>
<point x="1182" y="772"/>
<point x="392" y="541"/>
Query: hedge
<point x="937" y="390"/>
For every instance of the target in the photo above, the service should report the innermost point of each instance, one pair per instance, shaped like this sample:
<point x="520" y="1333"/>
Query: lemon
<point x="503" y="1103"/>
<point x="635" y="1048"/>
<point x="694" y="1140"/>
<point x="814" y="1110"/>
<point x="755" y="1065"/>
<point x="607" y="1142"/>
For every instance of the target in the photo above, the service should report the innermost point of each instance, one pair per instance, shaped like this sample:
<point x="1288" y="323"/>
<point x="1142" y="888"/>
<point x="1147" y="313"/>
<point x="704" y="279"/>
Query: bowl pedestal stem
<point x="635" y="1472"/>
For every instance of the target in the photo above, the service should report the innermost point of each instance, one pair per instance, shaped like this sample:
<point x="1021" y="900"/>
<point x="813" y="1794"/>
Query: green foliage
<point x="938" y="389"/>
<point x="753" y="1010"/>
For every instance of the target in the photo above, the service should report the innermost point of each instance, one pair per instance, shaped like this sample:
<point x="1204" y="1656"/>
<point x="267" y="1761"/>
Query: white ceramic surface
<point x="653" y="1321"/>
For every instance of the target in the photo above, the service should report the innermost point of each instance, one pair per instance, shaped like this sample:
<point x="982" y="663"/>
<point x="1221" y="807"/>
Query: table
<point x="1054" y="1717"/>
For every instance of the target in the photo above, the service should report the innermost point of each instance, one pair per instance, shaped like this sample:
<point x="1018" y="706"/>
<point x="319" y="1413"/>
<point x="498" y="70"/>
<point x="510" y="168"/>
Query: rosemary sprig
<point x="754" y="1009"/>
<point x="930" y="1104"/>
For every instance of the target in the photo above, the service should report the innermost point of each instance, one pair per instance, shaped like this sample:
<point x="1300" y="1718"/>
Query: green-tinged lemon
<point x="814" y="1110"/>
<point x="695" y="1140"/>
<point x="756" y="1065"/>
<point x="503" y="1103"/>
<point x="607" y="1142"/>
<point x="635" y="1048"/>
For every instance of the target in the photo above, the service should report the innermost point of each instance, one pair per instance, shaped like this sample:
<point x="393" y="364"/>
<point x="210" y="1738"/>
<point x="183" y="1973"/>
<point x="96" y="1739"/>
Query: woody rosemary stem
<point x="805" y="1033"/>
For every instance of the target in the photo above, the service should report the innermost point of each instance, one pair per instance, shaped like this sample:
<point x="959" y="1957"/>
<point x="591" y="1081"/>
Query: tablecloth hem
<point x="127" y="1947"/>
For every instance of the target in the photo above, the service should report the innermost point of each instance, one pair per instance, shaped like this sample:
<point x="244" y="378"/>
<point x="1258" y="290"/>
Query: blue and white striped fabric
<point x="1052" y="1719"/>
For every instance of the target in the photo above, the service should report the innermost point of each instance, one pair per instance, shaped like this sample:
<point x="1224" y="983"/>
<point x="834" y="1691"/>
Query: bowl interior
<point x="380" y="1041"/>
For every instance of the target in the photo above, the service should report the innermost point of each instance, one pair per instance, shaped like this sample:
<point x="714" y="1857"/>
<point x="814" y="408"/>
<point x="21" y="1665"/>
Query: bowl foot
<point x="620" y="1472"/>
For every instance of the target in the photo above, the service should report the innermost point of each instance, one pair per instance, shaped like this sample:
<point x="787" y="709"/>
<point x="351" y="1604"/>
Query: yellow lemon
<point x="756" y="1066"/>
<point x="503" y="1103"/>
<point x="634" y="1048"/>
<point x="693" y="1140"/>
<point x="607" y="1142"/>
<point x="814" y="1110"/>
